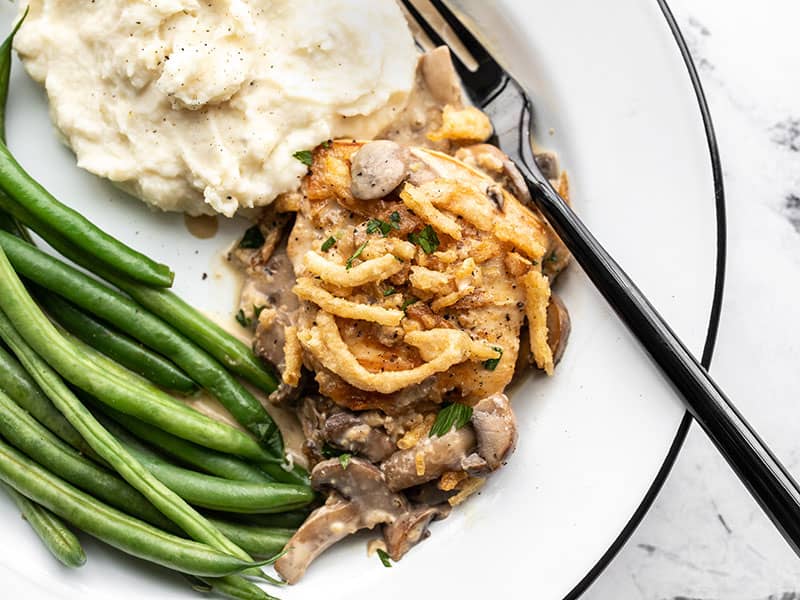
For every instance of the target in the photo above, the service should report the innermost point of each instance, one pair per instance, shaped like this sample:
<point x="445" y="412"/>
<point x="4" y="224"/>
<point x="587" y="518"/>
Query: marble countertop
<point x="705" y="538"/>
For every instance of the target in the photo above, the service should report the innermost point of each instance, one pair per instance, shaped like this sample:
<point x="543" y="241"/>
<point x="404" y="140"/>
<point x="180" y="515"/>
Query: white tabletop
<point x="705" y="538"/>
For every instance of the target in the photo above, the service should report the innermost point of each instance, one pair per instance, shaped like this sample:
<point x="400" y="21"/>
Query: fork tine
<point x="482" y="75"/>
<point x="471" y="43"/>
<point x="424" y="43"/>
<point x="464" y="71"/>
<point x="434" y="36"/>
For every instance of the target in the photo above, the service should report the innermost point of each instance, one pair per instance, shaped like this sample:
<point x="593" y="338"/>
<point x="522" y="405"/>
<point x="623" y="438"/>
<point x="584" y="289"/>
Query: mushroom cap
<point x="347" y="431"/>
<point x="378" y="168"/>
<point x="559" y="326"/>
<point x="327" y="525"/>
<point x="496" y="429"/>
<point x="363" y="484"/>
<point x="358" y="499"/>
<point x="438" y="454"/>
<point x="411" y="528"/>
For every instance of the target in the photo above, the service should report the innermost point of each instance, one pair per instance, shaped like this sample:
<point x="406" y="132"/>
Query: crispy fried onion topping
<point x="440" y="348"/>
<point x="375" y="269"/>
<point x="466" y="124"/>
<point x="417" y="201"/>
<point x="294" y="357"/>
<point x="514" y="224"/>
<point x="537" y="297"/>
<point x="308" y="289"/>
<point x="468" y="276"/>
<point x="428" y="280"/>
<point x="378" y="247"/>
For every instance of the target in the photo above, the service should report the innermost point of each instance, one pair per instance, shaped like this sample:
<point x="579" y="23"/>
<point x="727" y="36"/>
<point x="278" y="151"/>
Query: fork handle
<point x="755" y="464"/>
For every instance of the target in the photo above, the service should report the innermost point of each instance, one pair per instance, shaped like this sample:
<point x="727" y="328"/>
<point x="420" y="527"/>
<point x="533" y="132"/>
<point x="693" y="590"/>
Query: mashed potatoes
<point x="200" y="106"/>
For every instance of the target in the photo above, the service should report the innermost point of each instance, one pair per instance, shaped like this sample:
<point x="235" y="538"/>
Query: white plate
<point x="613" y="97"/>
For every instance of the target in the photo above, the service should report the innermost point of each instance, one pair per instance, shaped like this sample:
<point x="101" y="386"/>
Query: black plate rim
<point x="713" y="324"/>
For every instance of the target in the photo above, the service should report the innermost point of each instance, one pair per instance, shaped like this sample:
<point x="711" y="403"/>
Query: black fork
<point x="507" y="104"/>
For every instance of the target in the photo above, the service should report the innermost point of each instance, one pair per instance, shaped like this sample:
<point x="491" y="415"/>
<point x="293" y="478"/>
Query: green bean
<point x="116" y="346"/>
<point x="24" y="190"/>
<point x="217" y="493"/>
<point x="212" y="492"/>
<point x="28" y="436"/>
<point x="122" y="312"/>
<point x="15" y="381"/>
<point x="110" y="383"/>
<point x="231" y="352"/>
<point x="213" y="340"/>
<point x="286" y="520"/>
<point x="110" y="525"/>
<point x="14" y="300"/>
<point x="9" y="224"/>
<point x="199" y="364"/>
<point x="58" y="539"/>
<point x="234" y="587"/>
<point x="295" y="475"/>
<point x="5" y="73"/>
<point x="210" y="461"/>
<point x="198" y="585"/>
<point x="257" y="541"/>
<point x="270" y="465"/>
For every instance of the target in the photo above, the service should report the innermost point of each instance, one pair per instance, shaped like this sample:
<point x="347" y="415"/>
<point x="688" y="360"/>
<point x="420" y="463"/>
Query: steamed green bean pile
<point x="91" y="437"/>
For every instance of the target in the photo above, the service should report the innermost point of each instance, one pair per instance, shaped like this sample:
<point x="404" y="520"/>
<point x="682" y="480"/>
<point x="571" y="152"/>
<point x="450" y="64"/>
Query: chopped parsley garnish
<point x="376" y="225"/>
<point x="409" y="302"/>
<point x="344" y="460"/>
<point x="425" y="239"/>
<point x="327" y="143"/>
<point x="553" y="257"/>
<point x="242" y="319"/>
<point x="257" y="310"/>
<point x="328" y="244"/>
<point x="349" y="264"/>
<point x="252" y="238"/>
<point x="389" y="292"/>
<point x="384" y="227"/>
<point x="453" y="415"/>
<point x="384" y="558"/>
<point x="491" y="364"/>
<point x="305" y="157"/>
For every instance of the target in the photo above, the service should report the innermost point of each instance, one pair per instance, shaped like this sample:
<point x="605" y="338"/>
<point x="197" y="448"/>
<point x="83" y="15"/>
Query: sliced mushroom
<point x="496" y="429"/>
<point x="429" y="459"/>
<point x="559" y="326"/>
<point x="348" y="432"/>
<point x="548" y="164"/>
<point x="474" y="463"/>
<point x="429" y="494"/>
<point x="440" y="76"/>
<point x="378" y="168"/>
<point x="312" y="412"/>
<point x="273" y="284"/>
<point x="359" y="499"/>
<point x="411" y="528"/>
<point x="361" y="482"/>
<point x="558" y="330"/>
<point x="328" y="524"/>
